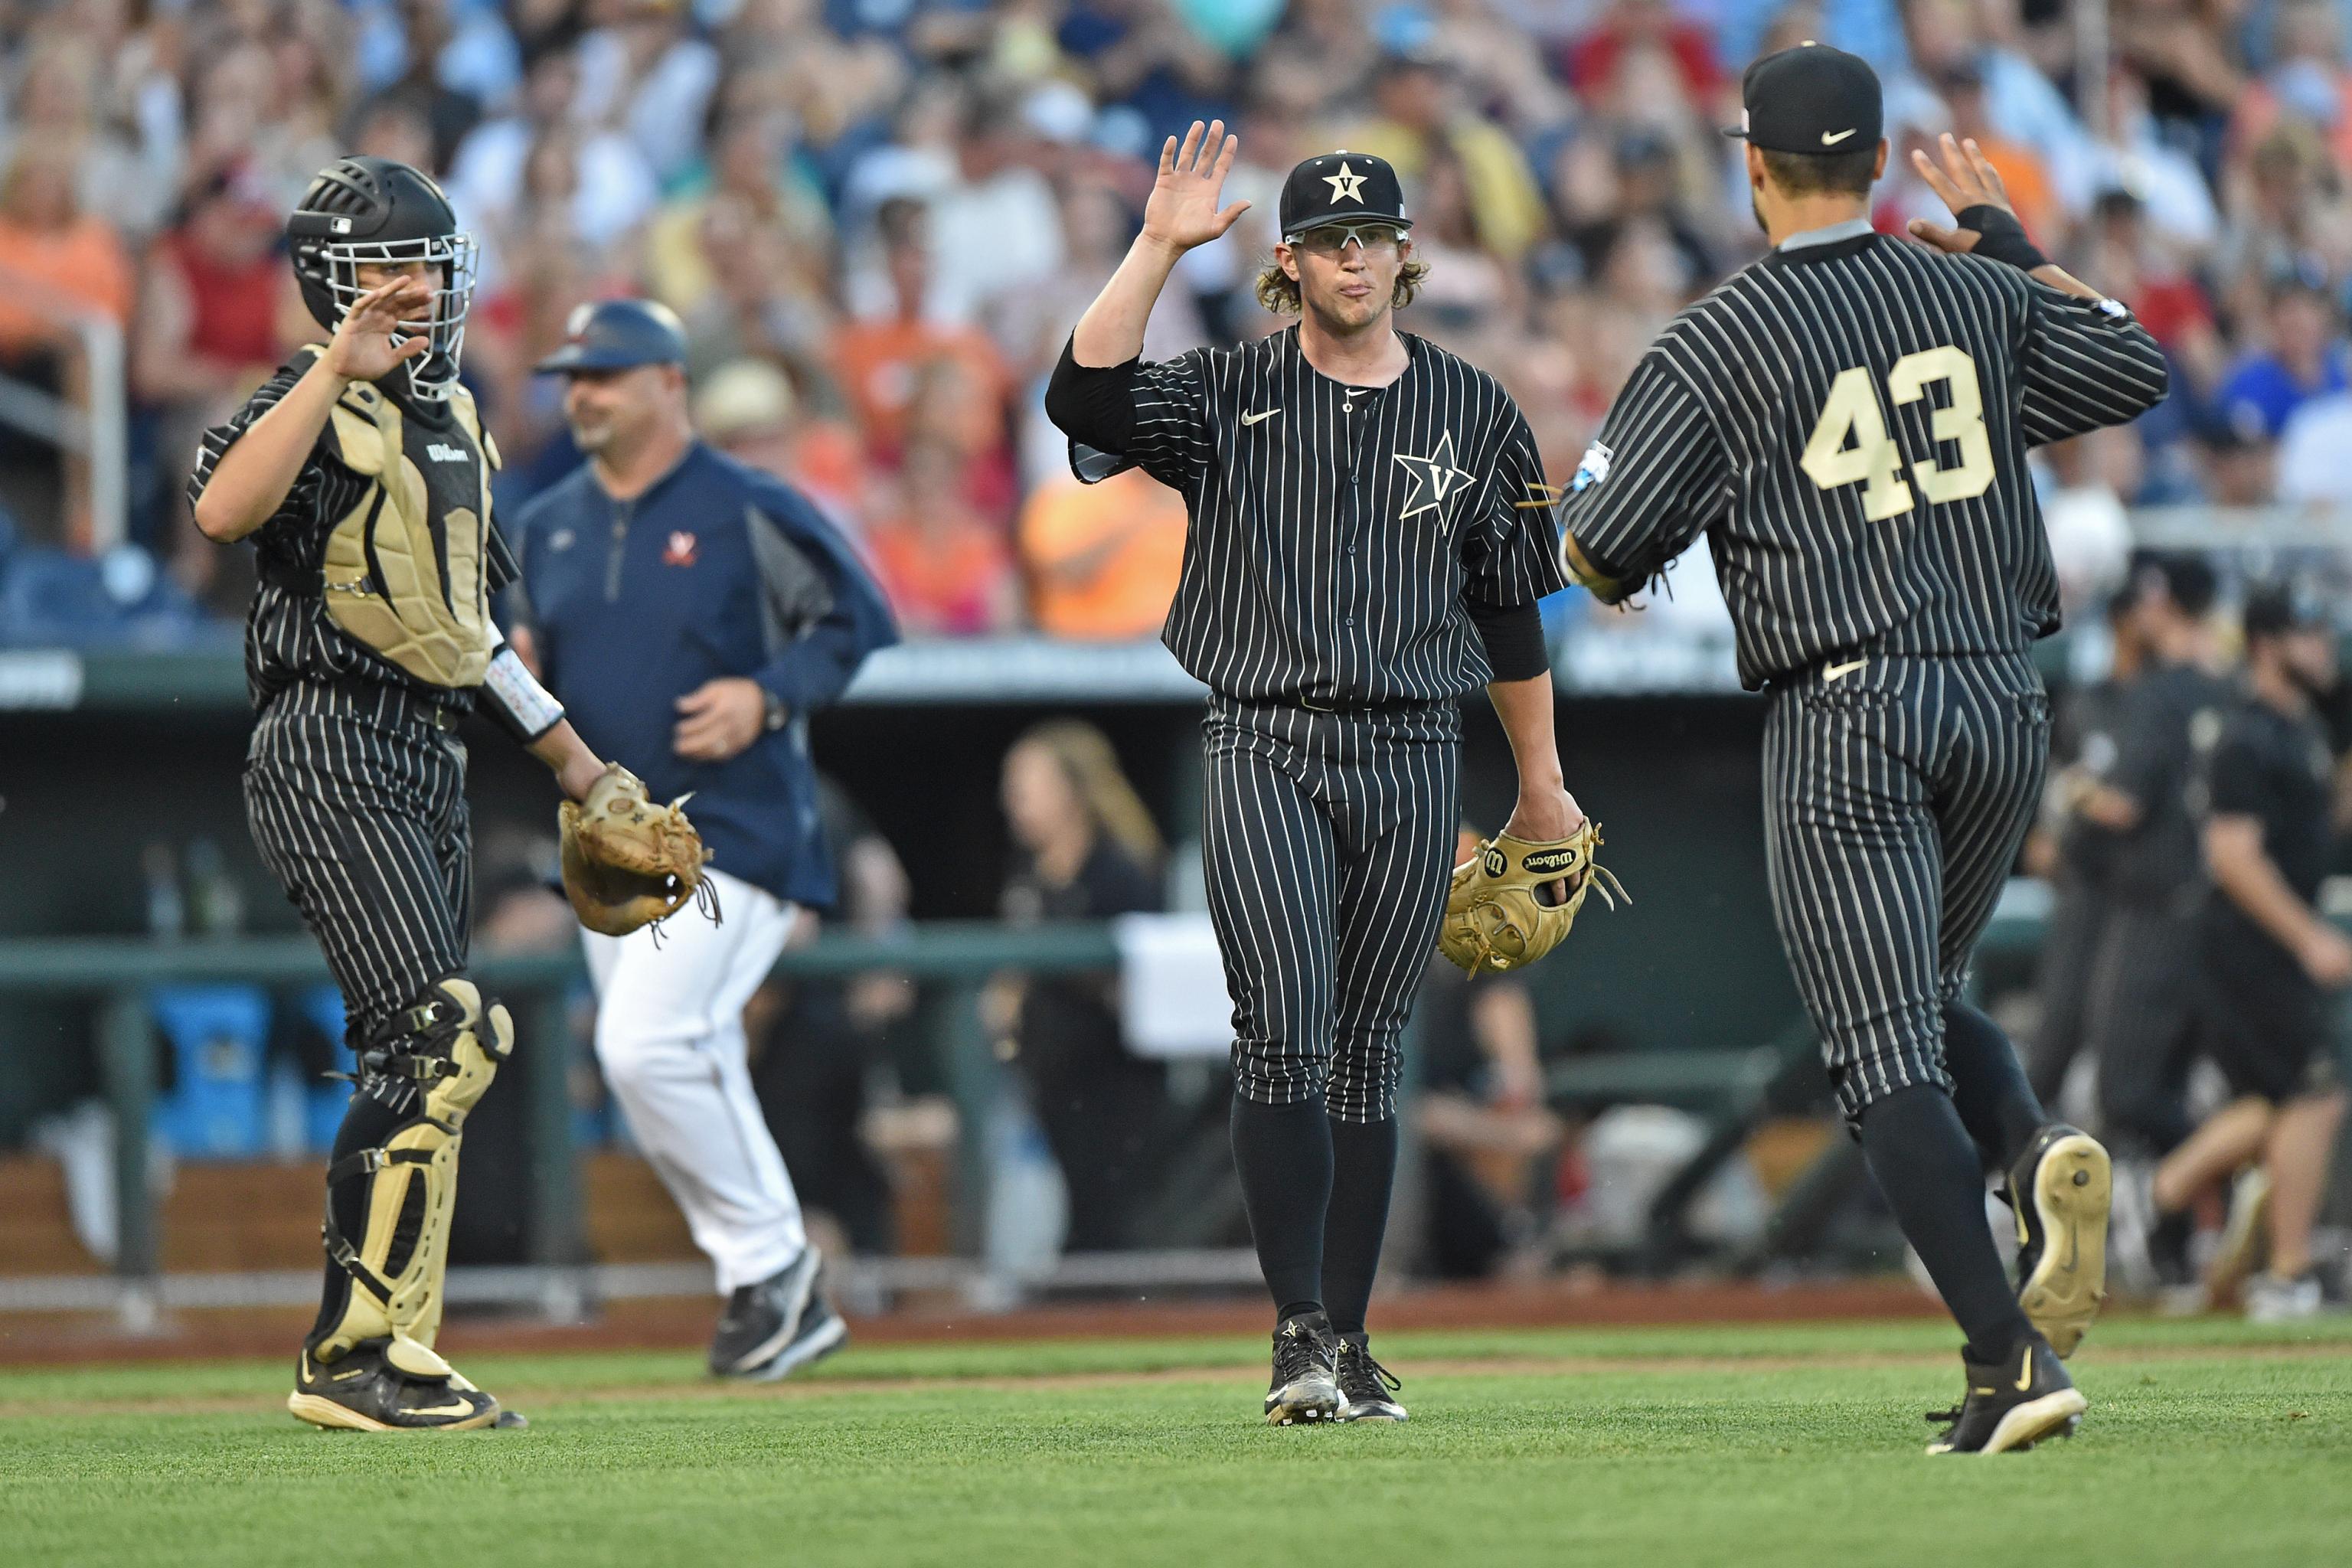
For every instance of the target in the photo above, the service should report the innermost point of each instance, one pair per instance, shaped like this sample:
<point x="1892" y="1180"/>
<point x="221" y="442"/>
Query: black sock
<point x="1990" y="1088"/>
<point x="1284" y="1156"/>
<point x="367" y="1123"/>
<point x="1363" y="1170"/>
<point x="1927" y="1165"/>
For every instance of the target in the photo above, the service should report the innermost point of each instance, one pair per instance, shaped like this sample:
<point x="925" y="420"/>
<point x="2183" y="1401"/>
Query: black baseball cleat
<point x="822" y="1332"/>
<point x="2061" y="1188"/>
<point x="761" y="1320"/>
<point x="1365" y="1386"/>
<point x="2011" y="1403"/>
<point x="1305" y="1388"/>
<point x="390" y="1385"/>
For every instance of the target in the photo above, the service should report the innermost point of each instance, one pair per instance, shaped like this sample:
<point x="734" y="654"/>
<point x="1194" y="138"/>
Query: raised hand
<point x="1182" y="211"/>
<point x="1966" y="179"/>
<point x="363" y="349"/>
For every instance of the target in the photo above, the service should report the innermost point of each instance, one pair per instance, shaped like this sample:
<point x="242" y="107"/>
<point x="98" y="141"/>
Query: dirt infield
<point x="670" y="1323"/>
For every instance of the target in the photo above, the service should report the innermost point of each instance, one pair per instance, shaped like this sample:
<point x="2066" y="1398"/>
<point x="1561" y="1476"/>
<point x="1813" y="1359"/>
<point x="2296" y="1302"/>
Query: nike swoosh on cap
<point x="1832" y="138"/>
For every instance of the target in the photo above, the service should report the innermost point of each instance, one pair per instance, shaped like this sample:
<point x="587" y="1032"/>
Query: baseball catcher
<point x="361" y="475"/>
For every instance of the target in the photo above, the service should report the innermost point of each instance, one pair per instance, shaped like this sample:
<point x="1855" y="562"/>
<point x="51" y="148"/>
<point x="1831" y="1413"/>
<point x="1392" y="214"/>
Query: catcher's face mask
<point x="450" y="267"/>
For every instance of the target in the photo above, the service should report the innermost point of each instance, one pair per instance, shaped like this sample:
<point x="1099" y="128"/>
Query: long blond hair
<point x="1087" y="760"/>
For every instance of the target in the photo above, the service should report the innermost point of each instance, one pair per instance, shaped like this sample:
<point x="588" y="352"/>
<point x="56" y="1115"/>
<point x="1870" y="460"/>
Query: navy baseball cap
<point x="618" y="334"/>
<point x="1341" y="187"/>
<point x="1810" y="98"/>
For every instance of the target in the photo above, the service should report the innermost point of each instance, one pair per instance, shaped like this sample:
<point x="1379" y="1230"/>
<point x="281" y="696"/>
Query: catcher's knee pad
<point x="432" y="1063"/>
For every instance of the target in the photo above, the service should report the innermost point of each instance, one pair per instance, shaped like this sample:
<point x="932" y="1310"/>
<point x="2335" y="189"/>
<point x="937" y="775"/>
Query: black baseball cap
<point x="1341" y="187"/>
<point x="2275" y="609"/>
<point x="1810" y="98"/>
<point x="618" y="334"/>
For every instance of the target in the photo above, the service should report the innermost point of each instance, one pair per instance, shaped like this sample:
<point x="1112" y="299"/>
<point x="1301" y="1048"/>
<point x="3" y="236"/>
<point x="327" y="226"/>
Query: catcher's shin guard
<point x="431" y="1064"/>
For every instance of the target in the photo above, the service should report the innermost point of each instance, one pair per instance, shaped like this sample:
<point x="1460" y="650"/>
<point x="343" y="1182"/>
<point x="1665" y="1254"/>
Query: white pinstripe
<point x="357" y="803"/>
<point x="1896" y="802"/>
<point x="1328" y="840"/>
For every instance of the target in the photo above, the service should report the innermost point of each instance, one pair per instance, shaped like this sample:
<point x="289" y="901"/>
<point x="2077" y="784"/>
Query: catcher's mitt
<point x="628" y="862"/>
<point x="1494" y="918"/>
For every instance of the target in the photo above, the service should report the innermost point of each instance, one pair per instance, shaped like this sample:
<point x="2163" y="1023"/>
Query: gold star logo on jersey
<point x="1434" y="477"/>
<point x="1345" y="186"/>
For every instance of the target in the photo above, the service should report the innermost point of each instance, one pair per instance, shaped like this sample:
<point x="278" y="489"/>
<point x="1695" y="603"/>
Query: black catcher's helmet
<point x="365" y="210"/>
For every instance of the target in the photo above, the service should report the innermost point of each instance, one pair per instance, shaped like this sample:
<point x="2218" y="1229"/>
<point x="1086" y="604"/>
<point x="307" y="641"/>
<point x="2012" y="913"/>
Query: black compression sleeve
<point x="2001" y="237"/>
<point x="1514" y="639"/>
<point x="1090" y="405"/>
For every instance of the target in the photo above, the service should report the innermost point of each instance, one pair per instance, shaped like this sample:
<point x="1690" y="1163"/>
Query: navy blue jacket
<point x="718" y="570"/>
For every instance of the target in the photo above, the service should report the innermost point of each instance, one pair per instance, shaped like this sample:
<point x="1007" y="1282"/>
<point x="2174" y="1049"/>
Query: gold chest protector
<point x="383" y="574"/>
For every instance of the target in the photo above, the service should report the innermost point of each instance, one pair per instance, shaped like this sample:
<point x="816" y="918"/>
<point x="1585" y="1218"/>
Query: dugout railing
<point x="951" y="962"/>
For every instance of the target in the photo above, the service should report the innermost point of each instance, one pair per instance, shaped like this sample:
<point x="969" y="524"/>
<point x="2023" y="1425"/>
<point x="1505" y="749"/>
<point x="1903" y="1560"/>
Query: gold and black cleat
<point x="1367" y="1391"/>
<point x="2011" y="1404"/>
<point x="2062" y="1187"/>
<point x="390" y="1385"/>
<point x="1304" y="1391"/>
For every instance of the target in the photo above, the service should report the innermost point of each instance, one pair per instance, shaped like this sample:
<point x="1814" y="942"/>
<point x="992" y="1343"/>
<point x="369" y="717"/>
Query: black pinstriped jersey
<point x="289" y="635"/>
<point x="1847" y="422"/>
<point x="1336" y="529"/>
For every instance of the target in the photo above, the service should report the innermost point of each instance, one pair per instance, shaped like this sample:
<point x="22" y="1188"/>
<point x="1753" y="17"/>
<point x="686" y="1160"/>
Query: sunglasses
<point x="1330" y="239"/>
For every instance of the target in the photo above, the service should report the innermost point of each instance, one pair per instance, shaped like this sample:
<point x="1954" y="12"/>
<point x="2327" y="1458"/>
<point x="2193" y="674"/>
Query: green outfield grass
<point x="2207" y="1443"/>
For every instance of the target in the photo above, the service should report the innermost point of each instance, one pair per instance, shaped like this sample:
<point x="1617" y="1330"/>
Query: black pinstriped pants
<point x="1895" y="799"/>
<point x="356" y="796"/>
<point x="1328" y="843"/>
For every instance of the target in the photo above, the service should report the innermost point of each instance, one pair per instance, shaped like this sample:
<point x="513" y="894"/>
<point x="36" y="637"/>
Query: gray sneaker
<point x="822" y="1333"/>
<point x="761" y="1320"/>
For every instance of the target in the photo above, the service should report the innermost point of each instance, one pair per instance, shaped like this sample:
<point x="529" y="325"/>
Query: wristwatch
<point x="777" y="713"/>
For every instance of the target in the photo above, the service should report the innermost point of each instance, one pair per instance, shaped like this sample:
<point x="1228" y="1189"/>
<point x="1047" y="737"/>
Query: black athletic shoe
<point x="388" y="1385"/>
<point x="2011" y="1404"/>
<point x="761" y="1319"/>
<point x="1365" y="1386"/>
<point x="1306" y="1389"/>
<point x="822" y="1332"/>
<point x="2061" y="1188"/>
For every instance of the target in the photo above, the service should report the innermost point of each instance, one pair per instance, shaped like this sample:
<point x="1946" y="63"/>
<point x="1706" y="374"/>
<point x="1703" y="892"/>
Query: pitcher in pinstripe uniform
<point x="362" y="476"/>
<point x="1847" y="420"/>
<point x="1368" y="539"/>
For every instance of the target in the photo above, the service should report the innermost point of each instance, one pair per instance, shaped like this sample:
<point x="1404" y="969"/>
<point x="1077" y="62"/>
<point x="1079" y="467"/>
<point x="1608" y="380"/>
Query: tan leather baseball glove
<point x="1496" y="916"/>
<point x="628" y="862"/>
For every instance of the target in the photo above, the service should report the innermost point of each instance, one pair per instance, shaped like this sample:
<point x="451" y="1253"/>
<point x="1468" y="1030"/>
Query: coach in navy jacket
<point x="688" y="611"/>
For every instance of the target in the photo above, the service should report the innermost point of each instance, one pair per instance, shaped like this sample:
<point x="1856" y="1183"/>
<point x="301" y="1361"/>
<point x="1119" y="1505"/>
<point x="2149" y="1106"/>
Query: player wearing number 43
<point x="693" y="612"/>
<point x="1847" y="420"/>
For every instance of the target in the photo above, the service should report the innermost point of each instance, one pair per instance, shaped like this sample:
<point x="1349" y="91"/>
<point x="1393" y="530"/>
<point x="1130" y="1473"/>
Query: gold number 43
<point x="1850" y="444"/>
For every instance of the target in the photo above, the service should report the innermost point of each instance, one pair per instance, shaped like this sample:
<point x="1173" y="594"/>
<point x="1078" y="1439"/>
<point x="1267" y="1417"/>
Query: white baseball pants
<point x="669" y="1036"/>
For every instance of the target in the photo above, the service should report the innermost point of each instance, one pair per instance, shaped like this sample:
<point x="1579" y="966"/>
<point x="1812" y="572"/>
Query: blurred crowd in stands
<point x="879" y="218"/>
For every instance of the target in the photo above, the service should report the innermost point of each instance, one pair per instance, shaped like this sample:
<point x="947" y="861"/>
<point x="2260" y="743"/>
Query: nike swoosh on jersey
<point x="1262" y="413"/>
<point x="1832" y="138"/>
<point x="1840" y="671"/>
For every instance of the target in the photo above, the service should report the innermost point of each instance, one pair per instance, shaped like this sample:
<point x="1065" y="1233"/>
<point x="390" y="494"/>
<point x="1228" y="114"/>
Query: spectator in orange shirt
<point x="48" y="242"/>
<point x="2023" y="173"/>
<point x="1102" y="560"/>
<point x="878" y="363"/>
<point x="944" y="565"/>
<point x="55" y="262"/>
